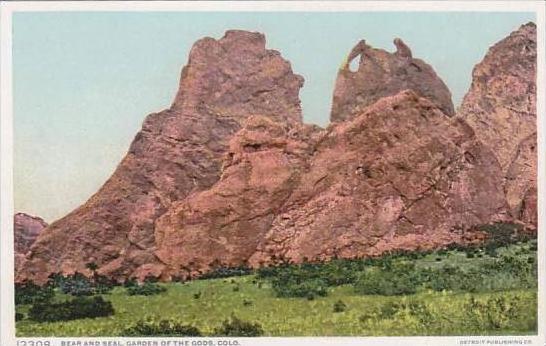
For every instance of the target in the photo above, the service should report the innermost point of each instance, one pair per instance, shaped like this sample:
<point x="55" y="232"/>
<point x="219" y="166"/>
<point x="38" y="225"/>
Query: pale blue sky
<point x="83" y="82"/>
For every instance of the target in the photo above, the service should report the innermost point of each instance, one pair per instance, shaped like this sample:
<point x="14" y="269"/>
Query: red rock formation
<point x="229" y="175"/>
<point x="26" y="229"/>
<point x="178" y="151"/>
<point x="501" y="108"/>
<point x="401" y="175"/>
<point x="225" y="224"/>
<point x="382" y="74"/>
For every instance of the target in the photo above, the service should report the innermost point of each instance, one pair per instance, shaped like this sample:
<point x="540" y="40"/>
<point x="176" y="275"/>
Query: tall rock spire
<point x="501" y="108"/>
<point x="177" y="152"/>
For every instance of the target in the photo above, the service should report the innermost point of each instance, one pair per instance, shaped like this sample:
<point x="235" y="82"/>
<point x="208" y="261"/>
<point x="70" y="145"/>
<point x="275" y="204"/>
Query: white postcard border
<point x="7" y="322"/>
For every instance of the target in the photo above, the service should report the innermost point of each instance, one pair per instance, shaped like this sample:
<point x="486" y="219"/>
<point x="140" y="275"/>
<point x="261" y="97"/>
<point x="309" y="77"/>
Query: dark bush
<point x="161" y="328"/>
<point x="388" y="310"/>
<point x="29" y="293"/>
<point x="76" y="308"/>
<point x="76" y="285"/>
<point x="399" y="280"/>
<point x="445" y="278"/>
<point x="145" y="289"/>
<point x="340" y="306"/>
<point x="80" y="285"/>
<point x="237" y="327"/>
<point x="300" y="288"/>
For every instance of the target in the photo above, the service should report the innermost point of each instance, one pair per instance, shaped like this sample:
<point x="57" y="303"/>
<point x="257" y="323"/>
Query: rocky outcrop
<point x="501" y="108"/>
<point x="177" y="152"/>
<point x="229" y="175"/>
<point x="225" y="224"/>
<point x="401" y="175"/>
<point x="26" y="229"/>
<point x="382" y="74"/>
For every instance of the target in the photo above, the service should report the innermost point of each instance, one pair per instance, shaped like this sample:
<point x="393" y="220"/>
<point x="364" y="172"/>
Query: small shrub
<point x="388" y="310"/>
<point x="197" y="295"/>
<point x="247" y="302"/>
<point x="76" y="285"/>
<point x="76" y="308"/>
<point x="340" y="306"/>
<point x="151" y="327"/>
<point x="145" y="289"/>
<point x="237" y="327"/>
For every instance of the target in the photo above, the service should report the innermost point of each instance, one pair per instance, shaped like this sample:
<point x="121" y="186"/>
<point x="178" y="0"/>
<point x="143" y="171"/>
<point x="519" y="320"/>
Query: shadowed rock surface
<point x="178" y="151"/>
<point x="501" y="108"/>
<point x="382" y="74"/>
<point x="26" y="229"/>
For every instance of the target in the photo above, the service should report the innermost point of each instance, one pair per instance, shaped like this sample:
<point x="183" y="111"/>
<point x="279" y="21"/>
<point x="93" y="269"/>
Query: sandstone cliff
<point x="501" y="108"/>
<point x="26" y="229"/>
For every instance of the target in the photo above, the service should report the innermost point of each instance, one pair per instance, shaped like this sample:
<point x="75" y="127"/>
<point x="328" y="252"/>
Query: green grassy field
<point x="511" y="311"/>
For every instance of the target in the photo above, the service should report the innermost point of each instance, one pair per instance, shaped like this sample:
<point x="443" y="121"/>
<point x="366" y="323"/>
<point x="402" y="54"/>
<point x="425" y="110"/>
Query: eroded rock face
<point x="223" y="226"/>
<point x="501" y="108"/>
<point x="382" y="74"/>
<point x="177" y="152"/>
<point x="26" y="229"/>
<point x="401" y="175"/>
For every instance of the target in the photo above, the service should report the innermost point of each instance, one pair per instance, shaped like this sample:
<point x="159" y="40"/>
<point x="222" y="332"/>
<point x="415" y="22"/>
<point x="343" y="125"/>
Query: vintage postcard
<point x="272" y="173"/>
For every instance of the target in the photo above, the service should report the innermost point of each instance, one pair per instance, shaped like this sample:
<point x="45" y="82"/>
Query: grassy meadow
<point x="498" y="302"/>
